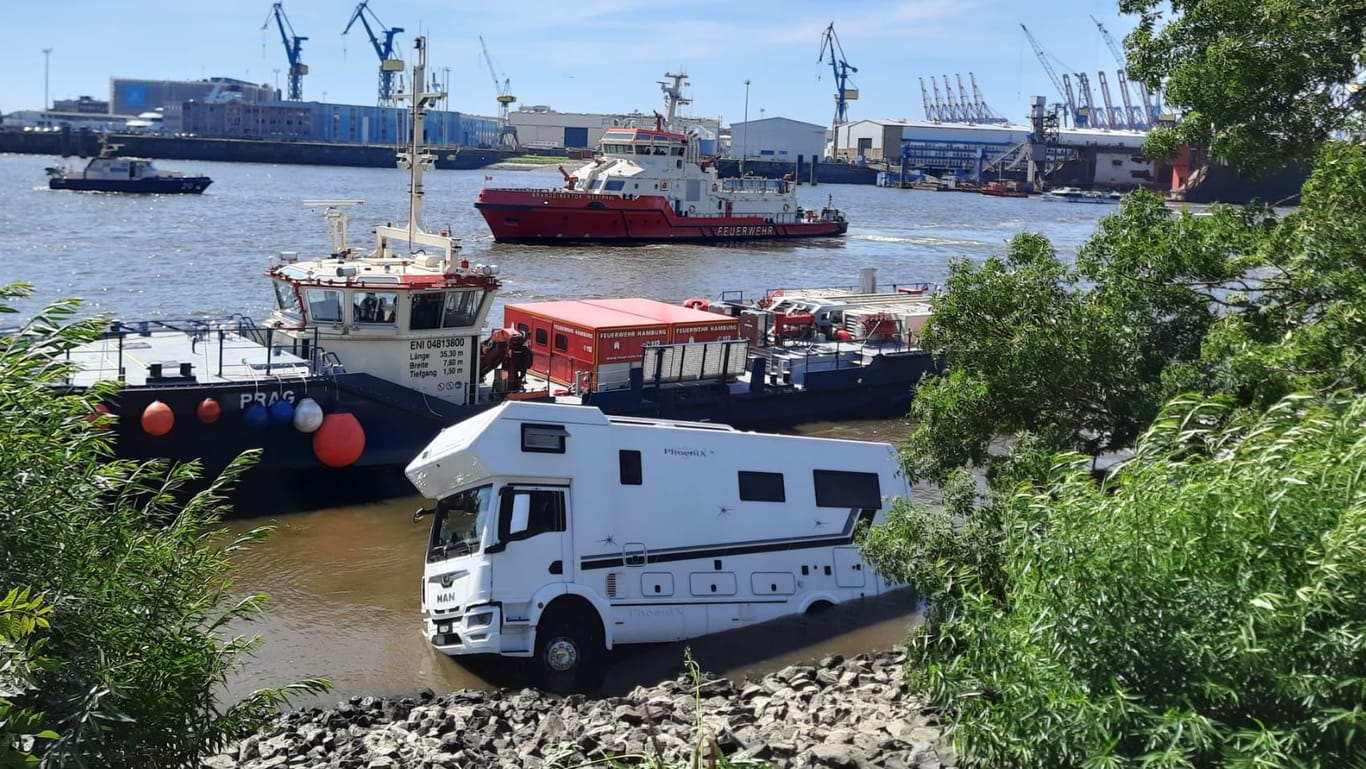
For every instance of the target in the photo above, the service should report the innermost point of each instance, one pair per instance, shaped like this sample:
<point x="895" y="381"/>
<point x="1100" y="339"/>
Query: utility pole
<point x="744" y="135"/>
<point x="47" y="56"/>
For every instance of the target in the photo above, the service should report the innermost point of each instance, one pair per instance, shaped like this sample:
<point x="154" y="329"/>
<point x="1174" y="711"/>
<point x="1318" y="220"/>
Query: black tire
<point x="569" y="654"/>
<point x="819" y="607"/>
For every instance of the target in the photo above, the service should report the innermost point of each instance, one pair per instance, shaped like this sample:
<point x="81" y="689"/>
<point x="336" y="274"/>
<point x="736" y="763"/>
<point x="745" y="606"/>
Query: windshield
<point x="459" y="523"/>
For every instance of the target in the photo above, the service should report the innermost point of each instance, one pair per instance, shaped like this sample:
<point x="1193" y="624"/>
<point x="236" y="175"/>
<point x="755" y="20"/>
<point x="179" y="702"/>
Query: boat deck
<point x="199" y="353"/>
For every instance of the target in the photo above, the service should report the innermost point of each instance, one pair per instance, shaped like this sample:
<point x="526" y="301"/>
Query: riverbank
<point x="838" y="712"/>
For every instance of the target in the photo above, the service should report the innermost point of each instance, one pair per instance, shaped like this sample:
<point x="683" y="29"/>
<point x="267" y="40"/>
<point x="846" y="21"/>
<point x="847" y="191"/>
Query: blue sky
<point x="575" y="56"/>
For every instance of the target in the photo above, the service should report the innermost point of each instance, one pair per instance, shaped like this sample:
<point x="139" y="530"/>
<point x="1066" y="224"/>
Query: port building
<point x="543" y="128"/>
<point x="777" y="138"/>
<point x="1112" y="158"/>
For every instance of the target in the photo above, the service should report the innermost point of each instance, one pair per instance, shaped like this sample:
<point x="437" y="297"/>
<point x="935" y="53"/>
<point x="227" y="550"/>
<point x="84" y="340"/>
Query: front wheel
<point x="568" y="656"/>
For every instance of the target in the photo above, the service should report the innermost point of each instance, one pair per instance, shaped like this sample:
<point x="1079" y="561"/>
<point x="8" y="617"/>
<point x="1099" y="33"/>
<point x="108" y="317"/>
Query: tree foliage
<point x="134" y="569"/>
<point x="1258" y="81"/>
<point x="1203" y="607"/>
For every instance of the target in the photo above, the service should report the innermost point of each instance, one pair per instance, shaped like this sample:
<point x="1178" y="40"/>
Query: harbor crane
<point x="843" y="93"/>
<point x="389" y="63"/>
<point x="1150" y="108"/>
<point x="507" y="132"/>
<point x="1072" y="113"/>
<point x="293" y="42"/>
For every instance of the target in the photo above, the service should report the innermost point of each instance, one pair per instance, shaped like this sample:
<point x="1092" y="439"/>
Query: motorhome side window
<point x="841" y="488"/>
<point x="525" y="513"/>
<point x="543" y="439"/>
<point x="629" y="460"/>
<point x="762" y="487"/>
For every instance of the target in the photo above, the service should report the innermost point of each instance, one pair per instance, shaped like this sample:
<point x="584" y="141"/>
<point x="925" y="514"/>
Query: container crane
<point x="293" y="42"/>
<point x="507" y="132"/>
<point x="1048" y="68"/>
<point x="1112" y="115"/>
<point x="931" y="113"/>
<point x="1096" y="118"/>
<point x="389" y="63"/>
<point x="1150" y="109"/>
<point x="843" y="94"/>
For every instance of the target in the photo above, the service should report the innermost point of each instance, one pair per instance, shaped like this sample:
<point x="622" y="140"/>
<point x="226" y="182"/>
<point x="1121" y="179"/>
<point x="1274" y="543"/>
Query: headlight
<point x="483" y="619"/>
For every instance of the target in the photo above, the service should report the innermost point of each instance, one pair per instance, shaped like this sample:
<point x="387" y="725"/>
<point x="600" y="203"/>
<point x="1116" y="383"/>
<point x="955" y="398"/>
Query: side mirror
<point x="420" y="513"/>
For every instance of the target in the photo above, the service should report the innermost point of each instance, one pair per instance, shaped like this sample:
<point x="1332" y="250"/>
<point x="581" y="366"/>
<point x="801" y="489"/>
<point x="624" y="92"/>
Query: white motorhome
<point x="560" y="532"/>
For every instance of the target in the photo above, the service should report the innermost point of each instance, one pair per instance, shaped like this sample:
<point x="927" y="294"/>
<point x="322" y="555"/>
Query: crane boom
<point x="841" y="68"/>
<point x="1066" y="93"/>
<point x="1149" y="110"/>
<point x="389" y="64"/>
<point x="507" y="132"/>
<point x="293" y="44"/>
<point x="930" y="113"/>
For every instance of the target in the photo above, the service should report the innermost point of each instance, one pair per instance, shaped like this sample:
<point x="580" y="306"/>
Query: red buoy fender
<point x="340" y="440"/>
<point x="157" y="418"/>
<point x="208" y="411"/>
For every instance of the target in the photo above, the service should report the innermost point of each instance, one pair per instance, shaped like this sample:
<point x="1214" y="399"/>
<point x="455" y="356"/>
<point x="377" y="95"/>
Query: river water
<point x="344" y="581"/>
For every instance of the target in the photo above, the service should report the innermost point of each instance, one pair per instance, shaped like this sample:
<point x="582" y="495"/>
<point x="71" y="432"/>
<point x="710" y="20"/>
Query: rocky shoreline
<point x="837" y="712"/>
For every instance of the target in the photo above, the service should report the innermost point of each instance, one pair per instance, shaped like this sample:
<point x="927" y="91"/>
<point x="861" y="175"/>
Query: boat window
<point x="841" y="488"/>
<point x="629" y="461"/>
<point x="426" y="311"/>
<point x="374" y="306"/>
<point x="561" y="342"/>
<point x="324" y="304"/>
<point x="762" y="487"/>
<point x="614" y="185"/>
<point x="541" y="336"/>
<point x="596" y="184"/>
<point x="642" y="149"/>
<point x="462" y="307"/>
<point x="286" y="299"/>
<point x="460" y="522"/>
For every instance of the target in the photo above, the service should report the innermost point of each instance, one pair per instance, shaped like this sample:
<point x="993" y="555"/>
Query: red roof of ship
<point x="618" y="313"/>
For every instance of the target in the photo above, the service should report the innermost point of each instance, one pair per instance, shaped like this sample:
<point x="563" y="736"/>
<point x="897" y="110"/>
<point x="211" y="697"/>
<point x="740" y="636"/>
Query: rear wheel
<point x="569" y="653"/>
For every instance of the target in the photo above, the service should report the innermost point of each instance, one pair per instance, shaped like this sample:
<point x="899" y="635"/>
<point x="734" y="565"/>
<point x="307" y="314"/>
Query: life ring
<point x="713" y="188"/>
<point x="692" y="210"/>
<point x="697" y="303"/>
<point x="765" y="303"/>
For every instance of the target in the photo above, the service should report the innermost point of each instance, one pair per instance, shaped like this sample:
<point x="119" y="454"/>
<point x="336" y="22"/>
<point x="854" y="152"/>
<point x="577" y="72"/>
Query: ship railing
<point x="319" y="359"/>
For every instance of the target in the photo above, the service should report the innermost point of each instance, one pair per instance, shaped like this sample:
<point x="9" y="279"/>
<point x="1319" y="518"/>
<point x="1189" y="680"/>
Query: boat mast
<point x="414" y="159"/>
<point x="673" y="96"/>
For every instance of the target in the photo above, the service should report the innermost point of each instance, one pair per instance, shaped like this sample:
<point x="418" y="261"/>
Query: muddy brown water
<point x="344" y="586"/>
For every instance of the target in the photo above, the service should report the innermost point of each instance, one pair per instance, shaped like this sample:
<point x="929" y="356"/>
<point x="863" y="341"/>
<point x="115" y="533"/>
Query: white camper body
<point x="560" y="532"/>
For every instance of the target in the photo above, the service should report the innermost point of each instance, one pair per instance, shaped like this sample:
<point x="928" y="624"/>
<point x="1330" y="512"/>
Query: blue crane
<point x="841" y="68"/>
<point x="389" y="63"/>
<point x="297" y="69"/>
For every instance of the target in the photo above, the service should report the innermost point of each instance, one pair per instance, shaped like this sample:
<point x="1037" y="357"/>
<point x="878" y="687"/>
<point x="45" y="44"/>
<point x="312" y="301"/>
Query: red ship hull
<point x="561" y="216"/>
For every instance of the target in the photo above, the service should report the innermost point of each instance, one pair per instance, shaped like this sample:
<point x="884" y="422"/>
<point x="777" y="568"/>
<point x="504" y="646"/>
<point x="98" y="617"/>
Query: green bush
<point x="1204" y="606"/>
<point x="135" y="569"/>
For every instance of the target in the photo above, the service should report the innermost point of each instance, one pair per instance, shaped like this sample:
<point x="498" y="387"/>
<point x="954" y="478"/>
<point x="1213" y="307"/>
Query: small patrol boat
<point x="112" y="172"/>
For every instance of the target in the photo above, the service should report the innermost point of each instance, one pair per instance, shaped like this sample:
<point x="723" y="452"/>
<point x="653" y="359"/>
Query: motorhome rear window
<point x="841" y="488"/>
<point x="762" y="487"/>
<point x="544" y="439"/>
<point x="629" y="459"/>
